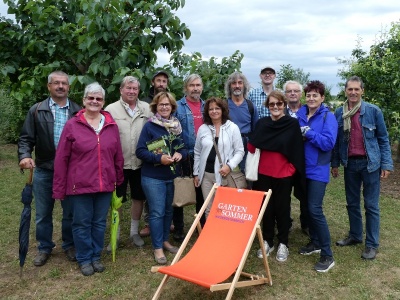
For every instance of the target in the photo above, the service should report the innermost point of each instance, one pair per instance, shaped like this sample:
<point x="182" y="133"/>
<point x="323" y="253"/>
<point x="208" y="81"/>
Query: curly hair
<point x="221" y="104"/>
<point x="315" y="86"/>
<point x="232" y="78"/>
<point x="158" y="97"/>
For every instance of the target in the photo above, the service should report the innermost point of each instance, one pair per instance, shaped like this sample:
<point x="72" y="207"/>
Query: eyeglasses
<point x="63" y="83"/>
<point x="278" y="104"/>
<point x="164" y="105"/>
<point x="292" y="91"/>
<point x="268" y="73"/>
<point x="90" y="98"/>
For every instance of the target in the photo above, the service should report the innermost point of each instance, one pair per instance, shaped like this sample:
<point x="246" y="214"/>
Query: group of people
<point x="83" y="154"/>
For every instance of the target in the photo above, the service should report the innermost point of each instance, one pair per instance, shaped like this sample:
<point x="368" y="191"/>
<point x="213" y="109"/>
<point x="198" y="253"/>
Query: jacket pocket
<point x="369" y="131"/>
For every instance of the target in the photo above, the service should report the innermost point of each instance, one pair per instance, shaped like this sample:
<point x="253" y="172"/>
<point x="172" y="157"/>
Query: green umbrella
<point x="116" y="203"/>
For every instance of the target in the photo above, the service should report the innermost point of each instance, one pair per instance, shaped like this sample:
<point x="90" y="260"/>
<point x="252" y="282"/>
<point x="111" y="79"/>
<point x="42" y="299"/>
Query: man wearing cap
<point x="159" y="83"/>
<point x="259" y="95"/>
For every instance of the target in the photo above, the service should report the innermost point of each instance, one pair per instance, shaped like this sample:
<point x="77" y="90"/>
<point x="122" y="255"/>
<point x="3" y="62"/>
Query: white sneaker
<point x="268" y="250"/>
<point x="282" y="253"/>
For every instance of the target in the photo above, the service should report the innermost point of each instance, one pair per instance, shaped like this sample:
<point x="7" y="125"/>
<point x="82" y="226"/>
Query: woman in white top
<point x="217" y="127"/>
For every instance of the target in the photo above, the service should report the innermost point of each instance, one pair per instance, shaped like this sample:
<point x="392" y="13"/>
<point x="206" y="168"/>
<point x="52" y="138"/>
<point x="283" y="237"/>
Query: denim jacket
<point x="185" y="117"/>
<point x="375" y="135"/>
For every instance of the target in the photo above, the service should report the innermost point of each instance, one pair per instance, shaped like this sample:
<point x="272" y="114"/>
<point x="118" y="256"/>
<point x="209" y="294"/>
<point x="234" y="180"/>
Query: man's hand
<point x="27" y="163"/>
<point x="335" y="172"/>
<point x="385" y="173"/>
<point x="196" y="181"/>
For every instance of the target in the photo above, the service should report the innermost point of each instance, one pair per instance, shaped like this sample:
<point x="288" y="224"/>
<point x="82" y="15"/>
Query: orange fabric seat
<point x="225" y="240"/>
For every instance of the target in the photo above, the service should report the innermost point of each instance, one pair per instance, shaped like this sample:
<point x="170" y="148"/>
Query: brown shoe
<point x="41" y="259"/>
<point x="145" y="231"/>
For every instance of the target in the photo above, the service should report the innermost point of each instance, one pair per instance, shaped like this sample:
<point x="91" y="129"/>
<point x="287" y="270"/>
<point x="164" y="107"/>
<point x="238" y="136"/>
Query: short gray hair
<point x="129" y="79"/>
<point x="189" y="79"/>
<point x="356" y="79"/>
<point x="57" y="73"/>
<point x="234" y="76"/>
<point x="292" y="82"/>
<point x="94" y="88"/>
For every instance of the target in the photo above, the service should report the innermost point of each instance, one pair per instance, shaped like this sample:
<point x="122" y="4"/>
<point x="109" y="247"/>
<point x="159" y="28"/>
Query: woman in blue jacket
<point x="319" y="128"/>
<point x="158" y="169"/>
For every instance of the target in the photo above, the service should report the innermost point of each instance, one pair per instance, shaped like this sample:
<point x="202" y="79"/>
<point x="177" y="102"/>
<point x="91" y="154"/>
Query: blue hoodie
<point x="319" y="141"/>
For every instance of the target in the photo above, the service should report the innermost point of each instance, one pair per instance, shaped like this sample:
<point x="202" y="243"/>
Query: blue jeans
<point x="44" y="204"/>
<point x="355" y="174"/>
<point x="159" y="194"/>
<point x="318" y="227"/>
<point x="89" y="225"/>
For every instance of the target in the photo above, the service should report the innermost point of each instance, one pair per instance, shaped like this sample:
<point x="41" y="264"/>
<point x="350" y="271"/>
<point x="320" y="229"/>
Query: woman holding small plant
<point x="160" y="147"/>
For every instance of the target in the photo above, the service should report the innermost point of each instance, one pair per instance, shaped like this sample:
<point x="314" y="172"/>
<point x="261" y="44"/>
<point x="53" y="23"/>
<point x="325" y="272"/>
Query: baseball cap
<point x="160" y="72"/>
<point x="268" y="68"/>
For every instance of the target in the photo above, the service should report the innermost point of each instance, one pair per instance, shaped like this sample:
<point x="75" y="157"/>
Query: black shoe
<point x="179" y="236"/>
<point x="41" y="259"/>
<point x="70" y="254"/>
<point x="87" y="269"/>
<point x="308" y="249"/>
<point x="325" y="264"/>
<point x="348" y="241"/>
<point x="305" y="231"/>
<point x="98" y="266"/>
<point x="369" y="253"/>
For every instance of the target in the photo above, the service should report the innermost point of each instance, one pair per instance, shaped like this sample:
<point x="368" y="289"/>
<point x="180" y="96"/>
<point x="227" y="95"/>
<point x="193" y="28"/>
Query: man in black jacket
<point x="41" y="131"/>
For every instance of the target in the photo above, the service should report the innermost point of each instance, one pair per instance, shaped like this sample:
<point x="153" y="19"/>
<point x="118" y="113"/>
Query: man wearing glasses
<point x="41" y="130"/>
<point x="293" y="91"/>
<point x="259" y="95"/>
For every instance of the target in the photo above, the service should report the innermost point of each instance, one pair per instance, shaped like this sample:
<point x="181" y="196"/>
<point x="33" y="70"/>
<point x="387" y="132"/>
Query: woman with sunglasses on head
<point x="88" y="165"/>
<point x="281" y="166"/>
<point x="319" y="128"/>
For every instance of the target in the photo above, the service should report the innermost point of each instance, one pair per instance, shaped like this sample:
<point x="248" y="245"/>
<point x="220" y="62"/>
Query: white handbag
<point x="252" y="161"/>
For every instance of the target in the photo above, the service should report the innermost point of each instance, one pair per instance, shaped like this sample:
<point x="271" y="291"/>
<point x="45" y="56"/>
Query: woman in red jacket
<point x="87" y="167"/>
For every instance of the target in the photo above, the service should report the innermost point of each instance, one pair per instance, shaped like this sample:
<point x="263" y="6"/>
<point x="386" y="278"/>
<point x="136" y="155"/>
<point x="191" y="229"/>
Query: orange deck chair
<point x="224" y="243"/>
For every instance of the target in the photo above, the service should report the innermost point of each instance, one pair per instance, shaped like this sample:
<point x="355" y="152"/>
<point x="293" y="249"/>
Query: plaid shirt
<point x="60" y="115"/>
<point x="258" y="97"/>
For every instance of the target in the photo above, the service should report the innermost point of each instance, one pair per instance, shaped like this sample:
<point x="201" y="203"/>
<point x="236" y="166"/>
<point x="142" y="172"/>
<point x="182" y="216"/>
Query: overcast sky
<point x="306" y="34"/>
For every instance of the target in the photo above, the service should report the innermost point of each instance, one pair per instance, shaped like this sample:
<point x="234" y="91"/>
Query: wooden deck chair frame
<point x="252" y="278"/>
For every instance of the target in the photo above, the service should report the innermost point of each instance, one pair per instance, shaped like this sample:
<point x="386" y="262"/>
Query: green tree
<point x="379" y="69"/>
<point x="287" y="72"/>
<point x="213" y="73"/>
<point x="101" y="40"/>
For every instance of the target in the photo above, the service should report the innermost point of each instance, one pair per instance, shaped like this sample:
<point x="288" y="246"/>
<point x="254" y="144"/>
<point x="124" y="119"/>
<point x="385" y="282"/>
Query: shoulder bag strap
<point x="216" y="149"/>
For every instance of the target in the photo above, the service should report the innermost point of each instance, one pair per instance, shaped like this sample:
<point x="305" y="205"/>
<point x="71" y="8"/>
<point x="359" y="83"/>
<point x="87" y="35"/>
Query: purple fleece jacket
<point x="86" y="162"/>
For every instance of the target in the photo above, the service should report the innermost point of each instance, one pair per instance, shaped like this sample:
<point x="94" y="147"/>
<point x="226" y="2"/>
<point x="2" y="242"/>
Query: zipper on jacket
<point x="99" y="162"/>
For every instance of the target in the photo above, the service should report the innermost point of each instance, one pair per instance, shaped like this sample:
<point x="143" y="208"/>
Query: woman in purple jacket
<point x="87" y="167"/>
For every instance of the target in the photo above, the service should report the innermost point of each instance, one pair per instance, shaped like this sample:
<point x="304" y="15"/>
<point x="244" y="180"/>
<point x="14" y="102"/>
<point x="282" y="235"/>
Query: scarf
<point x="172" y="124"/>
<point x="283" y="136"/>
<point x="347" y="114"/>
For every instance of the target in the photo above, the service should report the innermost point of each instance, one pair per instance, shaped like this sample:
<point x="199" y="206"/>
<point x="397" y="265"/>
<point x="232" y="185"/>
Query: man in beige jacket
<point x="131" y="114"/>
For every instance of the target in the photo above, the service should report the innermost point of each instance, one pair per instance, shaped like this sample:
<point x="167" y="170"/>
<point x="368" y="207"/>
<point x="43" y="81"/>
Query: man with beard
<point x="131" y="114"/>
<point x="293" y="91"/>
<point x="241" y="110"/>
<point x="42" y="130"/>
<point x="159" y="83"/>
<point x="259" y="95"/>
<point x="190" y="114"/>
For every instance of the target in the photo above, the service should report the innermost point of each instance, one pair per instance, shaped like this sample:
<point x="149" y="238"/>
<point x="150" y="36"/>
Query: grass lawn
<point x="130" y="277"/>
